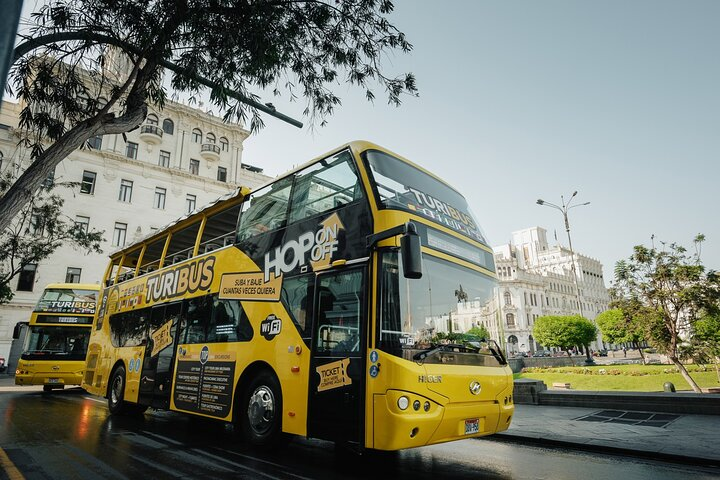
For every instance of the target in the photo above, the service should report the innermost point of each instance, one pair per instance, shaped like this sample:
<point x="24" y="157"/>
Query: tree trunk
<point x="642" y="355"/>
<point x="685" y="374"/>
<point x="570" y="357"/>
<point x="717" y="367"/>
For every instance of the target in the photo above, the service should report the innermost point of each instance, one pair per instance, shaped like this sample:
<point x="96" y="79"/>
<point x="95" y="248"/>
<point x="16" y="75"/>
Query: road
<point x="70" y="435"/>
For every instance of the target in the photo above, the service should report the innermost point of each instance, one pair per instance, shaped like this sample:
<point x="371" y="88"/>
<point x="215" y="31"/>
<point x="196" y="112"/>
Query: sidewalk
<point x="692" y="439"/>
<point x="7" y="384"/>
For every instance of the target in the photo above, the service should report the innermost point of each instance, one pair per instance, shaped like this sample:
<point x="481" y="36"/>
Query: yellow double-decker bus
<point x="318" y="305"/>
<point x="58" y="335"/>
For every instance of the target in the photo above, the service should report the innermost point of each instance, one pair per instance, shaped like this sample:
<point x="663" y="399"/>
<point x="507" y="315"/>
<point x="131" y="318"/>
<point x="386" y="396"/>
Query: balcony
<point x="151" y="134"/>
<point x="210" y="151"/>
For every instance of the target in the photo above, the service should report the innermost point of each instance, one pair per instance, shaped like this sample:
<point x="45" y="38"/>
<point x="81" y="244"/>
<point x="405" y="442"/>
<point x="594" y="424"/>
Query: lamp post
<point x="563" y="208"/>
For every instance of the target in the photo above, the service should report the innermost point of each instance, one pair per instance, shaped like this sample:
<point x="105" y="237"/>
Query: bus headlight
<point x="403" y="403"/>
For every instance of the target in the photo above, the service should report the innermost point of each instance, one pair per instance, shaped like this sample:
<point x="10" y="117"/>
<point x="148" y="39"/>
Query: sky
<point x="519" y="100"/>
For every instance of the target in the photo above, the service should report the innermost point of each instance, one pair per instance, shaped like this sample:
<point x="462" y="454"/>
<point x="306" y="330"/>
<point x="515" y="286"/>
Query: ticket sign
<point x="250" y="286"/>
<point x="161" y="338"/>
<point x="333" y="375"/>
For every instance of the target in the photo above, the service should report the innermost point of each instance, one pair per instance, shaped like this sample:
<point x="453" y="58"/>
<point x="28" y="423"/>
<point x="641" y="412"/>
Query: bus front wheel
<point x="261" y="412"/>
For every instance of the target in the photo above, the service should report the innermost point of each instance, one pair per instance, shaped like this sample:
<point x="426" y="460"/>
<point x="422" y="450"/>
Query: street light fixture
<point x="563" y="208"/>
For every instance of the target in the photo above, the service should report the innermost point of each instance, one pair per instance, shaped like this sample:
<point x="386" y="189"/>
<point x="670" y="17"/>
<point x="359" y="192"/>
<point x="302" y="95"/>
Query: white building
<point x="536" y="279"/>
<point x="181" y="158"/>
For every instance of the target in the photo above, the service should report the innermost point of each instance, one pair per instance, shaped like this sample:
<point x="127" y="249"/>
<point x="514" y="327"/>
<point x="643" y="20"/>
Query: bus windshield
<point x="57" y="343"/>
<point x="425" y="319"/>
<point x="402" y="186"/>
<point x="67" y="300"/>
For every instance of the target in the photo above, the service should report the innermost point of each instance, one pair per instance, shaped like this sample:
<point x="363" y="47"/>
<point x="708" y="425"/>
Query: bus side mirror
<point x="16" y="330"/>
<point x="410" y="252"/>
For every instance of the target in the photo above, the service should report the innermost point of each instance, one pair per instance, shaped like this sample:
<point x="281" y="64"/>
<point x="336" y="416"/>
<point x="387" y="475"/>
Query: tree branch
<point x="44" y="40"/>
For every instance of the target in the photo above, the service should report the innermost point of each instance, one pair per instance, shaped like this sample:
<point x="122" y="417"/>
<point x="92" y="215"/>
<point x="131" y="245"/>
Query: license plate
<point x="53" y="380"/>
<point x="472" y="425"/>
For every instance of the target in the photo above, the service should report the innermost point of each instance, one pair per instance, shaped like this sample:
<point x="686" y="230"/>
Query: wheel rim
<point x="116" y="391"/>
<point x="261" y="409"/>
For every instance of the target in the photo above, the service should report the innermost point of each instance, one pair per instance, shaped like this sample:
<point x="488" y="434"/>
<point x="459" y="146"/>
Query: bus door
<point x="337" y="385"/>
<point x="157" y="370"/>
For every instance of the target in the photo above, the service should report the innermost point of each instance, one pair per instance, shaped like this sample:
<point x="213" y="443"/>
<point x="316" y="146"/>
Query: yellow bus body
<point x="448" y="390"/>
<point x="56" y="372"/>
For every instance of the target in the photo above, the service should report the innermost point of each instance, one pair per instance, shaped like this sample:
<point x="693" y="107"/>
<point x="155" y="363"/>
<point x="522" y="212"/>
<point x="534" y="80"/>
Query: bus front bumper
<point x="395" y="429"/>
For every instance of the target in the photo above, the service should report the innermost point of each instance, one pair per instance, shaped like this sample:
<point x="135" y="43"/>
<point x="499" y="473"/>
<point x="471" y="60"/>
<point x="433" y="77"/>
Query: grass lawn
<point x="629" y="378"/>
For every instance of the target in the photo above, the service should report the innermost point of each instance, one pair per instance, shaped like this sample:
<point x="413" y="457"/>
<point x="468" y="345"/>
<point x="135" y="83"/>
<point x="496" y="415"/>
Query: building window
<point x="152" y="119"/>
<point x="131" y="150"/>
<point x="510" y="320"/>
<point x="224" y="145"/>
<point x="508" y="298"/>
<point x="82" y="223"/>
<point x="95" y="142"/>
<point x="119" y="234"/>
<point x="190" y="202"/>
<point x="210" y="138"/>
<point x="125" y="191"/>
<point x="36" y="225"/>
<point x="222" y="174"/>
<point x="194" y="166"/>
<point x="196" y="135"/>
<point x="73" y="275"/>
<point x="160" y="194"/>
<point x="49" y="181"/>
<point x="88" y="182"/>
<point x="168" y="126"/>
<point x="164" y="160"/>
<point x="26" y="279"/>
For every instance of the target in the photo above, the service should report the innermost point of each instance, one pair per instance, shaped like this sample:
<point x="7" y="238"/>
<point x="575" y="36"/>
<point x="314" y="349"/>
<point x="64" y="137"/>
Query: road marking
<point x="239" y="465"/>
<point x="95" y="400"/>
<point x="163" y="438"/>
<point x="260" y="460"/>
<point x="10" y="469"/>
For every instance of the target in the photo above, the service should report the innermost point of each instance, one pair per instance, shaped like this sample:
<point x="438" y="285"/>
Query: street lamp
<point x="563" y="208"/>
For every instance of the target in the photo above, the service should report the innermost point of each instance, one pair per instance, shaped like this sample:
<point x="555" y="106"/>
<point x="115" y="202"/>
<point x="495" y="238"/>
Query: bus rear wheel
<point x="261" y="412"/>
<point x="116" y="393"/>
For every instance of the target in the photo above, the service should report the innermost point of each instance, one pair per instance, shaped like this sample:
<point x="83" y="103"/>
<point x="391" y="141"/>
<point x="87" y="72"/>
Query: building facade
<point x="180" y="159"/>
<point x="536" y="279"/>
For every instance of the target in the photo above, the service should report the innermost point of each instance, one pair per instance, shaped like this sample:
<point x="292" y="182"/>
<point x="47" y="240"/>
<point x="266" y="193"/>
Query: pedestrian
<point x="624" y="352"/>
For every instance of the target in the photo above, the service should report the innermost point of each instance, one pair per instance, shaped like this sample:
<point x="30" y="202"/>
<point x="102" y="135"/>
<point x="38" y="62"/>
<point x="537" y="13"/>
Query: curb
<point x="657" y="456"/>
<point x="21" y="388"/>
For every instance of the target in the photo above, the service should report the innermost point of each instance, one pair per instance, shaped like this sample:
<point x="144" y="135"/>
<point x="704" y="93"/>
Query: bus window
<point x="182" y="244"/>
<point x="228" y="322"/>
<point x="129" y="329"/>
<point x="113" y="271"/>
<point x="127" y="271"/>
<point x="197" y="311"/>
<point x="153" y="253"/>
<point x="219" y="230"/>
<point x="325" y="186"/>
<point x="295" y="295"/>
<point x="209" y="319"/>
<point x="339" y="305"/>
<point x="265" y="210"/>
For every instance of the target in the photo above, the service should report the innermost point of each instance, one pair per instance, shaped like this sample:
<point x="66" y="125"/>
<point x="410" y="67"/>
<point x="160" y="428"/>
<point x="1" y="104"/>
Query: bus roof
<point x="240" y="192"/>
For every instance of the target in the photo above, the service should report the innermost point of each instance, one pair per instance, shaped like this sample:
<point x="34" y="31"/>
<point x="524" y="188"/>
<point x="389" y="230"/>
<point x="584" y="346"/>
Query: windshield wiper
<point x="497" y="353"/>
<point x="445" y="347"/>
